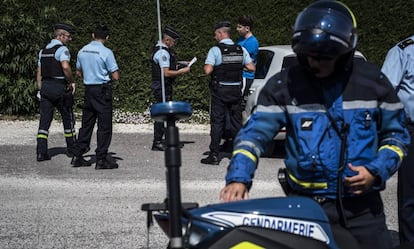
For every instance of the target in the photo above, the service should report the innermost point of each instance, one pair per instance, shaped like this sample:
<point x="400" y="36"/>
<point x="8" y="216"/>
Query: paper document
<point x="192" y="61"/>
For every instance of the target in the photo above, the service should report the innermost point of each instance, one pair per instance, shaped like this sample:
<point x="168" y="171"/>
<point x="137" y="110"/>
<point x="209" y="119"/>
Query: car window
<point x="289" y="60"/>
<point x="264" y="59"/>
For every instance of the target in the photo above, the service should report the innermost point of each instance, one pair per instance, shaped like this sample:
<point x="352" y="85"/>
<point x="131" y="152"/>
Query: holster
<point x="282" y="176"/>
<point x="107" y="91"/>
<point x="214" y="85"/>
<point x="68" y="99"/>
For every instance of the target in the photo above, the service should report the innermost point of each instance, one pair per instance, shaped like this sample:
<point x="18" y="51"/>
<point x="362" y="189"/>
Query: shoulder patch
<point x="406" y="43"/>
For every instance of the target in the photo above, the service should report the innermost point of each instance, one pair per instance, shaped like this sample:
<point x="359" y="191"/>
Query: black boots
<point x="105" y="164"/>
<point x="100" y="164"/>
<point x="212" y="158"/>
<point x="70" y="152"/>
<point x="79" y="161"/>
<point x="227" y="146"/>
<point x="43" y="157"/>
<point x="158" y="146"/>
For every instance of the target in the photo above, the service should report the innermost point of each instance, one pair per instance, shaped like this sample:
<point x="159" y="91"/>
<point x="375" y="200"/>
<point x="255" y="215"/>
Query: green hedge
<point x="27" y="25"/>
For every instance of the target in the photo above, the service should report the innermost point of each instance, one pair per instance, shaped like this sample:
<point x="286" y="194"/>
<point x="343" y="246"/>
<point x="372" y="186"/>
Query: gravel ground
<point x="50" y="204"/>
<point x="30" y="181"/>
<point x="24" y="132"/>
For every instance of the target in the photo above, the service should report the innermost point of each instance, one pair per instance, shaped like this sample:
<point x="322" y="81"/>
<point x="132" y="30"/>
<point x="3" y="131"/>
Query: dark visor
<point x="328" y="20"/>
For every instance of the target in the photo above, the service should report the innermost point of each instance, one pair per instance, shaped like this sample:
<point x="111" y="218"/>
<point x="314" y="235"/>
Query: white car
<point x="270" y="60"/>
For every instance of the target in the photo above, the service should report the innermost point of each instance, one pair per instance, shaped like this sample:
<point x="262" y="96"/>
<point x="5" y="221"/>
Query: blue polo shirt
<point x="252" y="46"/>
<point x="399" y="69"/>
<point x="96" y="62"/>
<point x="162" y="57"/>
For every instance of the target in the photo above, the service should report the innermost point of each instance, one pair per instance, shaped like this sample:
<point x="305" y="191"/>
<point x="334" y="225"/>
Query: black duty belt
<point x="98" y="85"/>
<point x="63" y="81"/>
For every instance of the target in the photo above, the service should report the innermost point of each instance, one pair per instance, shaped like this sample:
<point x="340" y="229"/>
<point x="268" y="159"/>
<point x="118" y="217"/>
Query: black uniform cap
<point x="222" y="24"/>
<point x="171" y="32"/>
<point x="64" y="26"/>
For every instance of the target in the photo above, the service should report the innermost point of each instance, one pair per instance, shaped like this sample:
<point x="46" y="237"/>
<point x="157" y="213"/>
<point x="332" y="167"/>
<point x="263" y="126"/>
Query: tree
<point x="23" y="31"/>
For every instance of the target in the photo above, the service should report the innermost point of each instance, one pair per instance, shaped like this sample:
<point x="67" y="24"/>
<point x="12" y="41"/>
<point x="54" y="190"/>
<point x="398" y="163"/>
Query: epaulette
<point x="406" y="43"/>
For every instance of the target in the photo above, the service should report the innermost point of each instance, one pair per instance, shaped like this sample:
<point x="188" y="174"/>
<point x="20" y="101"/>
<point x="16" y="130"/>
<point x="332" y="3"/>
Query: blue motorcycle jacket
<point x="317" y="113"/>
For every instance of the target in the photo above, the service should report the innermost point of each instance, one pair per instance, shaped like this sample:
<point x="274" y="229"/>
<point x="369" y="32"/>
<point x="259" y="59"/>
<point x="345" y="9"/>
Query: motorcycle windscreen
<point x="257" y="238"/>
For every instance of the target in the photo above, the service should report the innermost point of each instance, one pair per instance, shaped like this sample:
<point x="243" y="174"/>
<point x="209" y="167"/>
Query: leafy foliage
<point x="26" y="27"/>
<point x="21" y="29"/>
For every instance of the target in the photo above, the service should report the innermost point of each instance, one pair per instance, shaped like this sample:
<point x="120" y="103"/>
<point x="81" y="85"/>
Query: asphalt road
<point x="53" y="205"/>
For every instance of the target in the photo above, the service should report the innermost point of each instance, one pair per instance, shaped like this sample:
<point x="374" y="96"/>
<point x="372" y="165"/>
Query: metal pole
<point x="160" y="41"/>
<point x="161" y="69"/>
<point x="173" y="163"/>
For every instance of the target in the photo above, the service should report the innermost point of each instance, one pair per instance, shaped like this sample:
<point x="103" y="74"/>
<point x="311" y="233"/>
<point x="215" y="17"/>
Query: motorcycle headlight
<point x="192" y="234"/>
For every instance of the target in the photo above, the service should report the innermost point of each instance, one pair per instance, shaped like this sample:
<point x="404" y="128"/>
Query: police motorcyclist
<point x="345" y="126"/>
<point x="55" y="82"/>
<point x="225" y="63"/>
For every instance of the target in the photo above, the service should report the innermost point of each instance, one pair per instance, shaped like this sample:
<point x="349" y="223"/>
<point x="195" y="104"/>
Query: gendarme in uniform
<point x="98" y="68"/>
<point x="55" y="92"/>
<point x="163" y="56"/>
<point x="228" y="61"/>
<point x="399" y="68"/>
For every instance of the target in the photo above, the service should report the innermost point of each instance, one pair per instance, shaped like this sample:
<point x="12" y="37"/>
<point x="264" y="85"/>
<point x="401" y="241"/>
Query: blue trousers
<point x="159" y="129"/>
<point x="365" y="220"/>
<point x="97" y="108"/>
<point x="225" y="115"/>
<point x="54" y="95"/>
<point x="406" y="193"/>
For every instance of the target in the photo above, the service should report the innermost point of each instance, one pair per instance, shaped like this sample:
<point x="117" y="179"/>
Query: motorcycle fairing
<point x="299" y="215"/>
<point x="295" y="226"/>
<point x="259" y="238"/>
